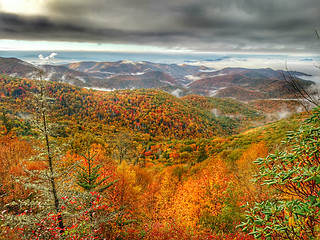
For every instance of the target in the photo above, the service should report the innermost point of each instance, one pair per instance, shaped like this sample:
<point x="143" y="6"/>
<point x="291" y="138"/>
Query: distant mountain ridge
<point x="16" y="67"/>
<point x="126" y="67"/>
<point x="247" y="84"/>
<point x="239" y="83"/>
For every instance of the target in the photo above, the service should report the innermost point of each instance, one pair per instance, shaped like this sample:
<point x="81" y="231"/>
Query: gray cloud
<point x="207" y="25"/>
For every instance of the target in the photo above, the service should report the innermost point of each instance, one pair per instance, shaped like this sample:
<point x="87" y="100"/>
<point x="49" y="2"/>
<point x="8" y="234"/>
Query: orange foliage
<point x="201" y="195"/>
<point x="247" y="169"/>
<point x="126" y="190"/>
<point x="13" y="152"/>
<point x="256" y="150"/>
<point x="168" y="201"/>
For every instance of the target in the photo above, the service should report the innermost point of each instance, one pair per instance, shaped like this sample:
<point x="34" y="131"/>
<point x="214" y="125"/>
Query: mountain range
<point x="239" y="83"/>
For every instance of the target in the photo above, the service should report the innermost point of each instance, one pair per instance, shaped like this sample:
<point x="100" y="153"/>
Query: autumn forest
<point x="78" y="163"/>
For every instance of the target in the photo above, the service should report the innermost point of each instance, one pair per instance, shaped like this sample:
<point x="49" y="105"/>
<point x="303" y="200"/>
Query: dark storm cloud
<point x="268" y="25"/>
<point x="35" y="28"/>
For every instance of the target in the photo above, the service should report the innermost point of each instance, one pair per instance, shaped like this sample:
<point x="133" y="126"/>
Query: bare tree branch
<point x="301" y="93"/>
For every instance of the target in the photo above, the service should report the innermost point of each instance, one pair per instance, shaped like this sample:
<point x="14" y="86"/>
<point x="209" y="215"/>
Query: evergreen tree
<point x="42" y="107"/>
<point x="44" y="201"/>
<point x="88" y="178"/>
<point x="88" y="175"/>
<point x="88" y="172"/>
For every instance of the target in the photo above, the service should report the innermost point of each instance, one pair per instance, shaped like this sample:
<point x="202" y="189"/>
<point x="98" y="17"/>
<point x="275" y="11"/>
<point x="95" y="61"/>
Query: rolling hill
<point x="246" y="84"/>
<point x="16" y="67"/>
<point x="126" y="67"/>
<point x="238" y="83"/>
<point x="146" y="111"/>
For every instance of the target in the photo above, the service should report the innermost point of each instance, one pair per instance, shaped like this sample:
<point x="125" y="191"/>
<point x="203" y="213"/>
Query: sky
<point x="156" y="25"/>
<point x="269" y="27"/>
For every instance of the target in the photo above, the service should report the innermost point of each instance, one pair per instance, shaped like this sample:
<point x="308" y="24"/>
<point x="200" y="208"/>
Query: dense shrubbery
<point x="294" y="212"/>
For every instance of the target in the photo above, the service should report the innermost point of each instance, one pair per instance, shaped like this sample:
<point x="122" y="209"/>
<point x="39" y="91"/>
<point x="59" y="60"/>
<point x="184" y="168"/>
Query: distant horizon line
<point x="170" y="52"/>
<point x="217" y="60"/>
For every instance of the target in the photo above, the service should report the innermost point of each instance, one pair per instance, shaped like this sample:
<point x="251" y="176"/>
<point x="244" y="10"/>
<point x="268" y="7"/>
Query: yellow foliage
<point x="256" y="150"/>
<point x="202" y="195"/>
<point x="246" y="169"/>
<point x="291" y="221"/>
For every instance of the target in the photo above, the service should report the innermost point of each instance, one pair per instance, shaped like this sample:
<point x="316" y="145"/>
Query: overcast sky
<point x="267" y="26"/>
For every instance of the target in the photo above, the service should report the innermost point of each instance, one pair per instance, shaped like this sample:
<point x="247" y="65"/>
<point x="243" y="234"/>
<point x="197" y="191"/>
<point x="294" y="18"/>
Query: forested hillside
<point x="131" y="164"/>
<point x="146" y="111"/>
